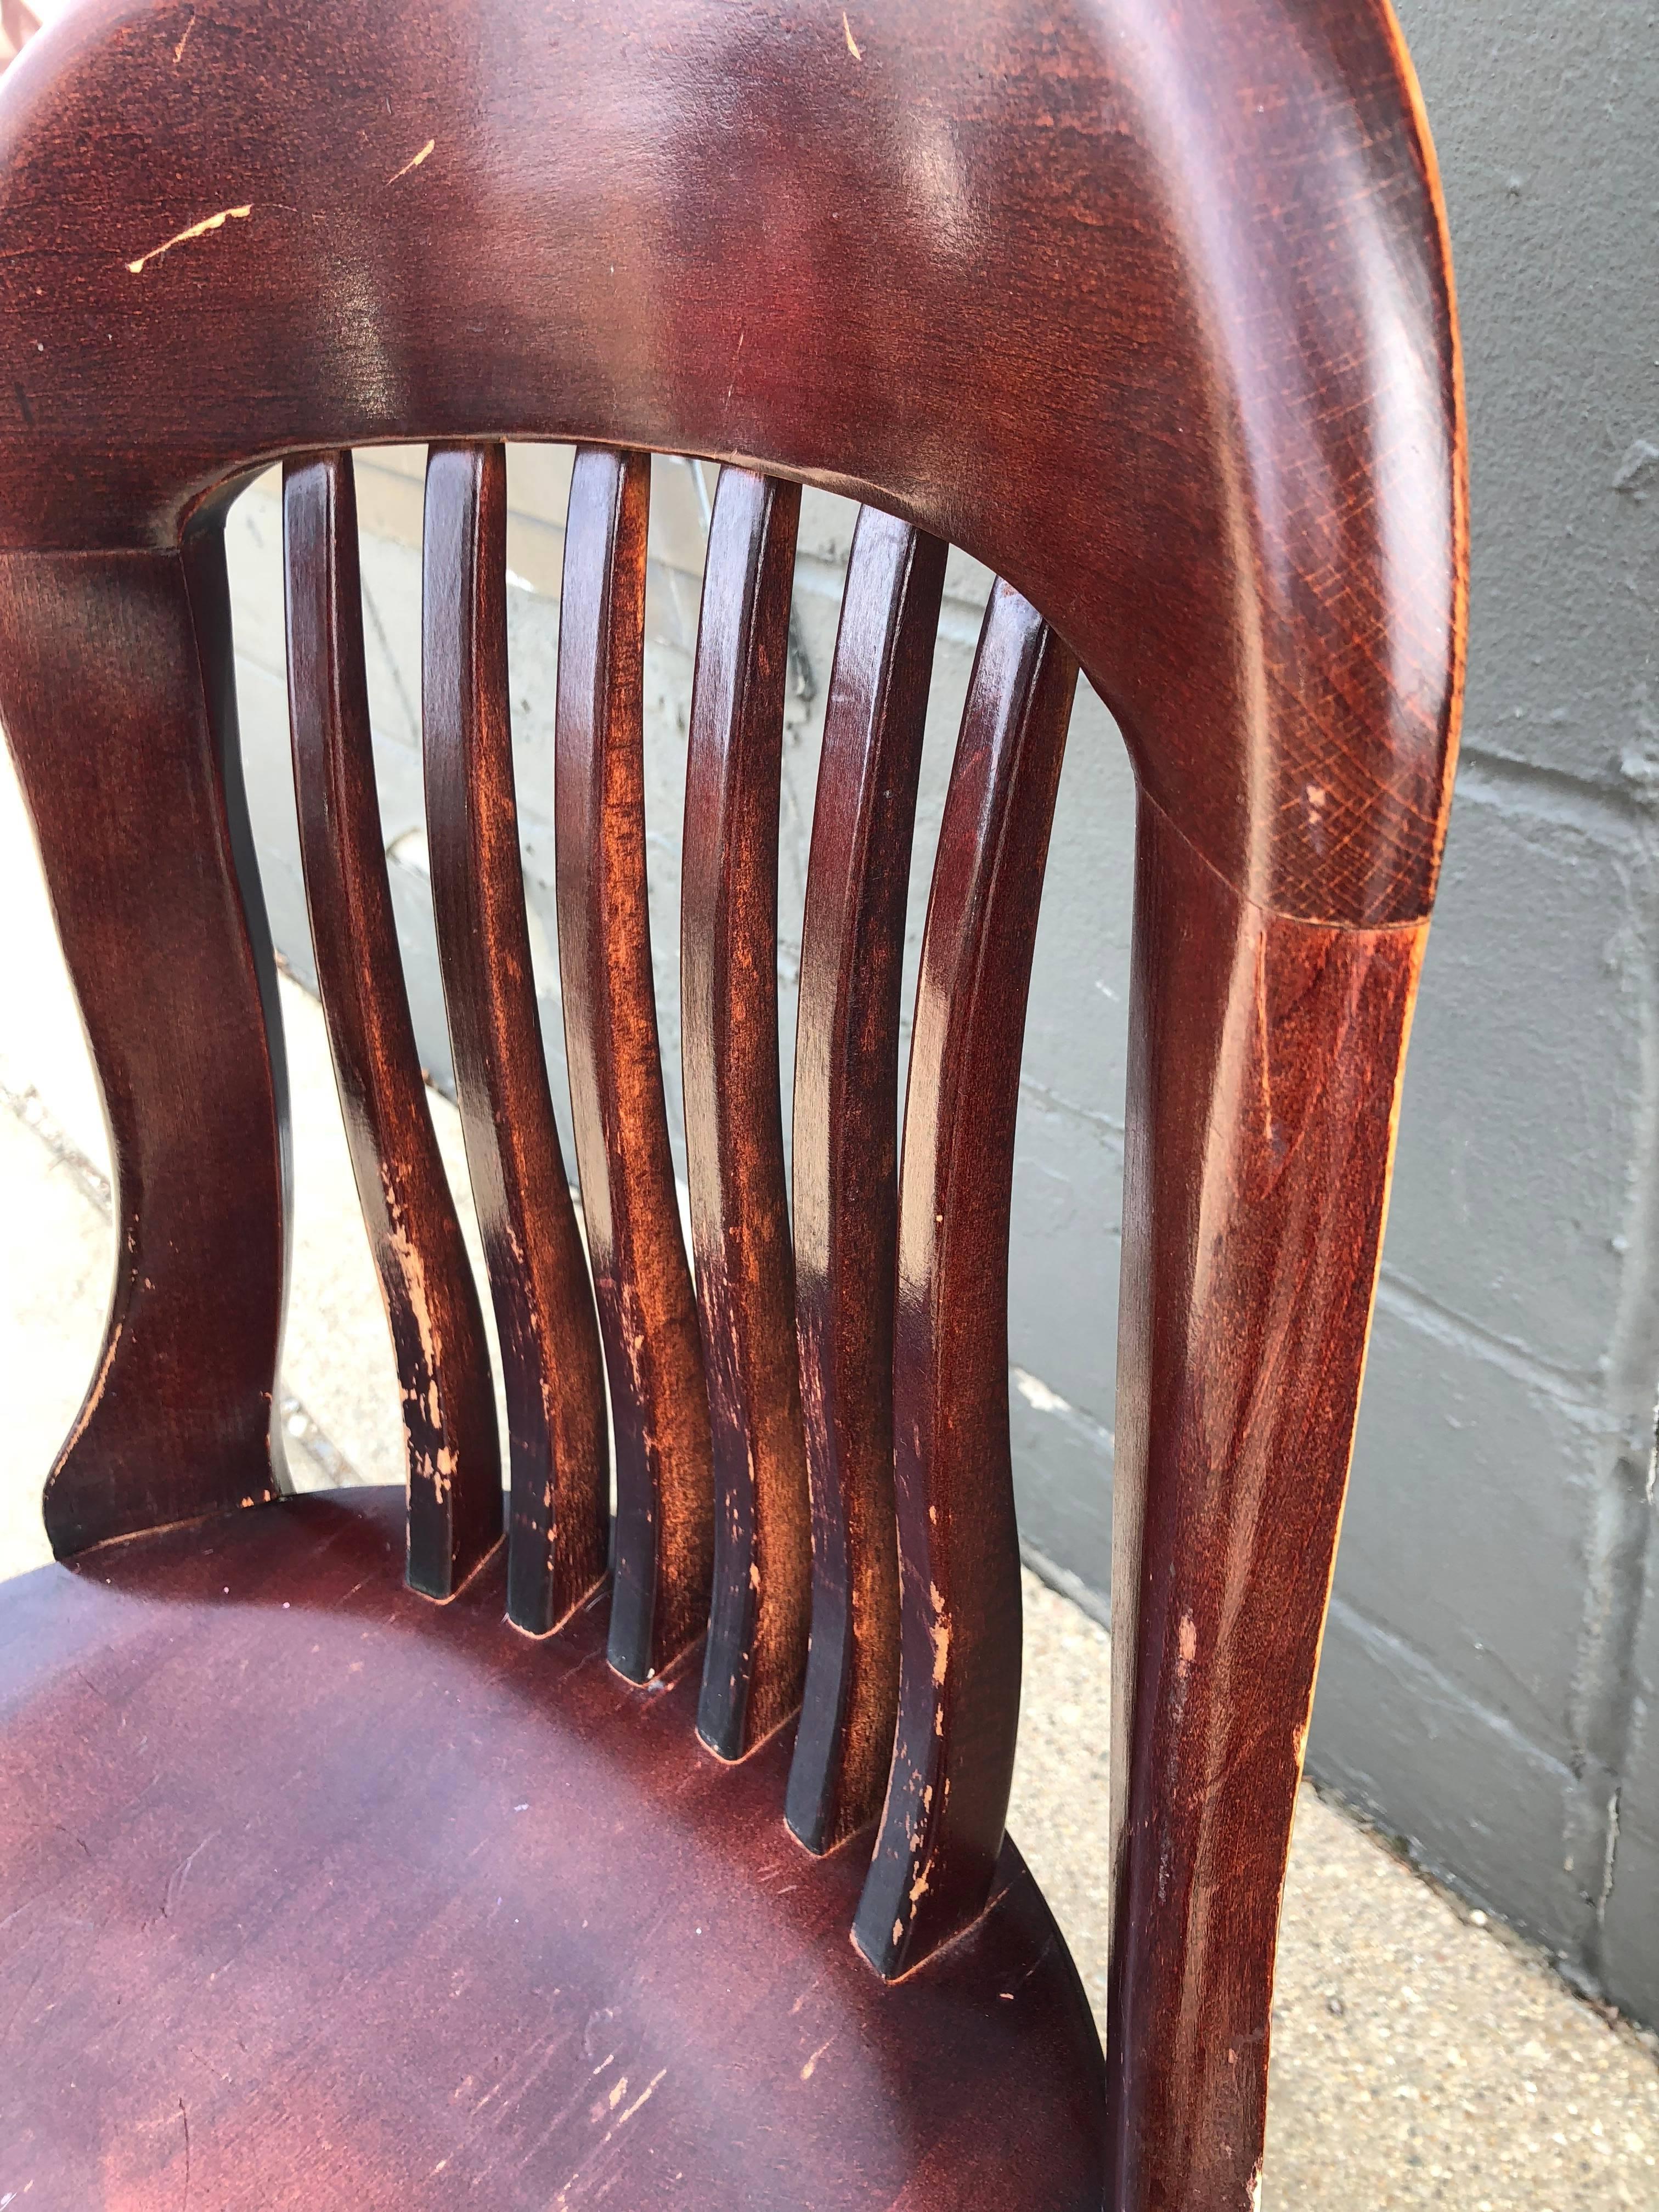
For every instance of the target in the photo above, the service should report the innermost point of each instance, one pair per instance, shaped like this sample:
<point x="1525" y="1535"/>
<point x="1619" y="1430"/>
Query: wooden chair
<point x="316" y="1889"/>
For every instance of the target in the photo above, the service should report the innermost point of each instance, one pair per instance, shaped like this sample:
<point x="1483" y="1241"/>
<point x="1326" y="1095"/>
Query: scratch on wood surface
<point x="644" y="2098"/>
<point x="743" y="332"/>
<point x="178" y="50"/>
<point x="180" y="1875"/>
<point x="811" y="2067"/>
<point x="413" y="162"/>
<point x="609" y="2103"/>
<point x="1008" y="1996"/>
<point x="191" y="230"/>
<point x="563" y="2201"/>
<point x="851" y="43"/>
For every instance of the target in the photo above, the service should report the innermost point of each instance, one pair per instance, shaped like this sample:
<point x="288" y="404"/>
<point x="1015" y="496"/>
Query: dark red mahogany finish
<point x="959" y="1656"/>
<point x="1148" y="308"/>
<point x="553" y="1379"/>
<point x="437" y="1330"/>
<point x="647" y="1308"/>
<point x="334" y="1956"/>
<point x="757" y="1648"/>
<point x="845" y="1167"/>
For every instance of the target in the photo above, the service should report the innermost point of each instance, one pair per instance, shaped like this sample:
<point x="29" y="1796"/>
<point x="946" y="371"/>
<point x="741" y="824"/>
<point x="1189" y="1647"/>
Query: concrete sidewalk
<point x="1421" y="2055"/>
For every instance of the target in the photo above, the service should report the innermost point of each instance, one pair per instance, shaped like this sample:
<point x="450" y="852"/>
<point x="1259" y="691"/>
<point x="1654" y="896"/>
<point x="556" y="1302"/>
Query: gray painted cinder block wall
<point x="1488" y="1685"/>
<point x="1490" y="1689"/>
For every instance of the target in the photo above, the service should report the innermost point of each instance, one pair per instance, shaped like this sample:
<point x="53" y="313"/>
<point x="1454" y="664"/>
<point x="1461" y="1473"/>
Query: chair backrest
<point x="1149" y="309"/>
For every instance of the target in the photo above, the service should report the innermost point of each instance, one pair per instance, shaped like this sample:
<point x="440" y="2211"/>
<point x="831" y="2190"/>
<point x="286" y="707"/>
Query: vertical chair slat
<point x="647" y="1308"/>
<point x="959" y="1665"/>
<point x="845" y="1166"/>
<point x="559" y="1508"/>
<point x="425" y="1280"/>
<point x="757" y="1648"/>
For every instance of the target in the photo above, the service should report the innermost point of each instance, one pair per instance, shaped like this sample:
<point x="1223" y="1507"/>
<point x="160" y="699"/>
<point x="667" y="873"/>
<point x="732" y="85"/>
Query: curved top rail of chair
<point x="1148" y="308"/>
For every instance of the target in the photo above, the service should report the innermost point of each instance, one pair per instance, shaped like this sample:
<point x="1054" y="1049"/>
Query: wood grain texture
<point x="959" y="1603"/>
<point x="1168" y="341"/>
<point x="558" y="1459"/>
<point x="1263" y="1071"/>
<point x="454" y="1483"/>
<point x="756" y="1654"/>
<point x="845" y="1167"/>
<point x="1161" y="330"/>
<point x="664" y="1522"/>
<point x="122" y="727"/>
<point x="423" y="1929"/>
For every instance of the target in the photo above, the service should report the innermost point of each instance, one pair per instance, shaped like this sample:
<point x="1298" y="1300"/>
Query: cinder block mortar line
<point x="1582" y="1395"/>
<point x="1605" y="1685"/>
<point x="1400" y="1649"/>
<point x="1522" y="789"/>
<point x="1620" y="1552"/>
<point x="1110" y="1125"/>
<point x="1601" y="1702"/>
<point x="814" y="575"/>
<point x="1621" y="818"/>
<point x="34" y="1113"/>
<point x="1077" y="1421"/>
<point x="1632" y="1374"/>
<point x="1487" y="774"/>
<point x="1087" y="1599"/>
<point x="960" y="617"/>
<point x="412" y="715"/>
<point x="1590" y="1793"/>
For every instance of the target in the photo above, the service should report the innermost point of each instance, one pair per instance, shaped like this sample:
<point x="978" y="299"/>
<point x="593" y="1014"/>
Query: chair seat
<point x="313" y="1892"/>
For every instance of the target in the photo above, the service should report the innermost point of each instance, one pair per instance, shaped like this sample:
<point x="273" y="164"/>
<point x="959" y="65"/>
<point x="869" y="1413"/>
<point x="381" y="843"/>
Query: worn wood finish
<point x="1148" y="308"/>
<point x="319" y="1895"/>
<point x="1264" y="1064"/>
<point x="1166" y="339"/>
<point x="845" y="1168"/>
<point x="558" y="1460"/>
<point x="740" y="1233"/>
<point x="663" y="1546"/>
<point x="426" y="1278"/>
<point x="101" y="654"/>
<point x="960" y="1640"/>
